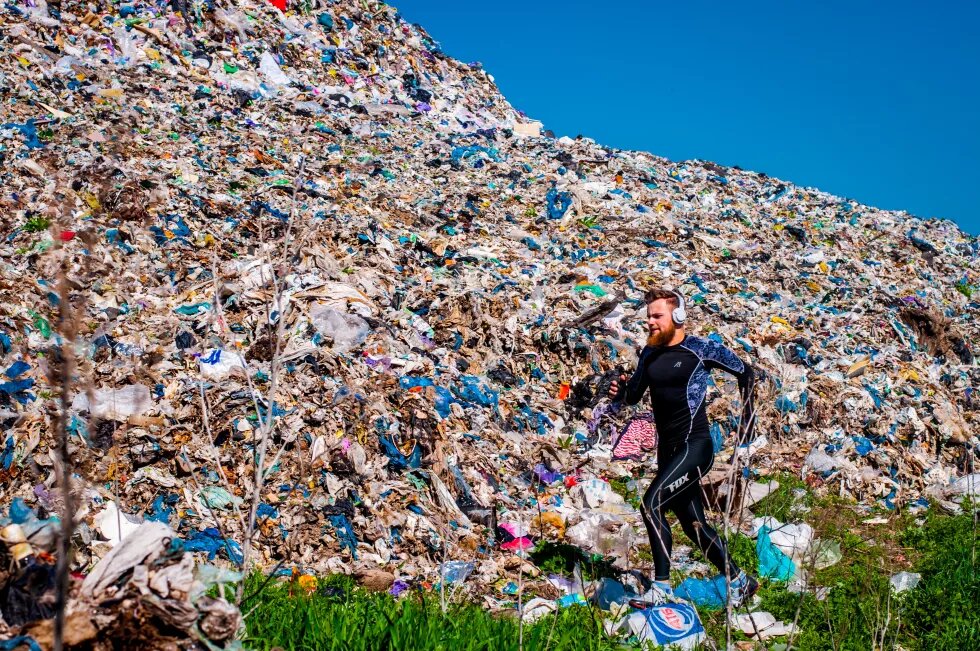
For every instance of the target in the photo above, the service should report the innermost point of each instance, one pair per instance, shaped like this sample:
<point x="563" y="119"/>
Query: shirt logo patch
<point x="678" y="364"/>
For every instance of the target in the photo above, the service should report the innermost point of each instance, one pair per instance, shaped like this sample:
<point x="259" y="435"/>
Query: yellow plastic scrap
<point x="91" y="200"/>
<point x="781" y="321"/>
<point x="909" y="375"/>
<point x="859" y="367"/>
<point x="551" y="519"/>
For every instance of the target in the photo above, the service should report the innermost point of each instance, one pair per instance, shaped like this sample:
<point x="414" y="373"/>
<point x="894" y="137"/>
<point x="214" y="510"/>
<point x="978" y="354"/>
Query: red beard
<point x="662" y="338"/>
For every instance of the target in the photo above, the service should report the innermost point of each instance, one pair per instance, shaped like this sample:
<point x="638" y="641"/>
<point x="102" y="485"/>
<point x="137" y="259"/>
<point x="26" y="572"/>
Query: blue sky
<point x="873" y="101"/>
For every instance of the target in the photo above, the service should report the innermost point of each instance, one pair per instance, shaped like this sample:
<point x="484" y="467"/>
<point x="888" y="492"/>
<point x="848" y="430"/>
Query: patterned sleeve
<point x="716" y="355"/>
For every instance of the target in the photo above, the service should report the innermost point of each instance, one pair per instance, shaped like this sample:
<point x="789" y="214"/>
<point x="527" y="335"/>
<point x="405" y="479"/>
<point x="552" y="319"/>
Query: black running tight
<point x="677" y="488"/>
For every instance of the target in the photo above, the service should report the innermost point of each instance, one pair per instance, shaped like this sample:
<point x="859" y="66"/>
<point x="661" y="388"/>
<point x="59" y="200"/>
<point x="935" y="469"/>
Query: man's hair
<point x="658" y="293"/>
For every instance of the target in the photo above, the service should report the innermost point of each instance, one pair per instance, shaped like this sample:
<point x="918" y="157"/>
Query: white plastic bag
<point x="115" y="404"/>
<point x="346" y="330"/>
<point x="218" y="364"/>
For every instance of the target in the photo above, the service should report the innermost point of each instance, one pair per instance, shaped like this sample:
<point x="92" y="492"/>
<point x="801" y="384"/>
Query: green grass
<point x="784" y="502"/>
<point x="344" y="618"/>
<point x="943" y="612"/>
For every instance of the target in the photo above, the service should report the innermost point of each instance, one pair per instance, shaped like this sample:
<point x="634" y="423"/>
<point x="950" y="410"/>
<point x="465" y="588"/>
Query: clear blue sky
<point x="876" y="101"/>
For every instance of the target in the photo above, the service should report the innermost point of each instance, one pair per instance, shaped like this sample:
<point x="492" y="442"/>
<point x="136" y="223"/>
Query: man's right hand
<point x="615" y="384"/>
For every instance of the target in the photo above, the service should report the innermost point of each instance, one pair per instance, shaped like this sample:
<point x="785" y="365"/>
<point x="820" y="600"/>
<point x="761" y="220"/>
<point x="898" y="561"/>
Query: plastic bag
<point x="675" y="625"/>
<point x="773" y="563"/>
<point x="456" y="571"/>
<point x="904" y="581"/>
<point x="826" y="553"/>
<point x="346" y="330"/>
<point x="709" y="593"/>
<point x="609" y="592"/>
<point x="218" y="364"/>
<point x="115" y="404"/>
<point x="272" y="72"/>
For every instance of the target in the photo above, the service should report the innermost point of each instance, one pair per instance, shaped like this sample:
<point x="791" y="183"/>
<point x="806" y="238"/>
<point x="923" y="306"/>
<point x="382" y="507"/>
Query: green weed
<point x="339" y="617"/>
<point x="37" y="224"/>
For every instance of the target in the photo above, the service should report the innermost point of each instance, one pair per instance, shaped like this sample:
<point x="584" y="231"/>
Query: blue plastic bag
<point x="472" y="390"/>
<point x="709" y="593"/>
<point x="717" y="437"/>
<point x="558" y="203"/>
<point x="772" y="562"/>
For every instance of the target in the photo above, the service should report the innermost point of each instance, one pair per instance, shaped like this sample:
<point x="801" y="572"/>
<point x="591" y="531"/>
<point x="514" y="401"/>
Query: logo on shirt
<point x="678" y="364"/>
<point x="674" y="485"/>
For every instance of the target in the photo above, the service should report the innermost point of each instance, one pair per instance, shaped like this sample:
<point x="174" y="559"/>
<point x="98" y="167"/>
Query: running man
<point x="674" y="367"/>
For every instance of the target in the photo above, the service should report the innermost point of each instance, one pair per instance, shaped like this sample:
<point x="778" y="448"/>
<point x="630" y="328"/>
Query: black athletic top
<point x="677" y="377"/>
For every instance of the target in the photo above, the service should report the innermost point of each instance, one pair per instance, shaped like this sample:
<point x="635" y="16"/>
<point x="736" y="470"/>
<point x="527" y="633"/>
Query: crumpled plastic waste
<point x="709" y="593"/>
<point x="455" y="289"/>
<point x="762" y="625"/>
<point x="456" y="571"/>
<point x="673" y="625"/>
<point x="903" y="581"/>
<point x="114" y="525"/>
<point x="773" y="562"/>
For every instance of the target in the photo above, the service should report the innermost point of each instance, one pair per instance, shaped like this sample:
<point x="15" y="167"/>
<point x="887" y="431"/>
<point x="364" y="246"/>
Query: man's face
<point x="659" y="323"/>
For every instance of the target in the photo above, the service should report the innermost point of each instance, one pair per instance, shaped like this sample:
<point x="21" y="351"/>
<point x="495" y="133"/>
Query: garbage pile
<point x="145" y="590"/>
<point x="317" y="218"/>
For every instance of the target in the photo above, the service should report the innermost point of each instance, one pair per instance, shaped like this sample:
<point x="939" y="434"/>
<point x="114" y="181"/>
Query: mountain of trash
<point x="320" y="214"/>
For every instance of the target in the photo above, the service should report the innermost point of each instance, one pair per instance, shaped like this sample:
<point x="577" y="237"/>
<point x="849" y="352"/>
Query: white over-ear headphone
<point x="679" y="315"/>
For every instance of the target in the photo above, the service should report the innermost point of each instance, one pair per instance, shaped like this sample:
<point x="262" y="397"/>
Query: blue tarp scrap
<point x="17" y="389"/>
<point x="717" y="436"/>
<point x="345" y="533"/>
<point x="17" y="369"/>
<point x="162" y="508"/>
<point x="258" y="206"/>
<point x="77" y="427"/>
<point x="112" y="236"/>
<point x="397" y="460"/>
<point x="480" y="152"/>
<point x="19" y="511"/>
<point x="527" y="418"/>
<point x="444" y="397"/>
<point x="19" y="643"/>
<point x="210" y="541"/>
<point x="28" y="130"/>
<point x="174" y="228"/>
<point x="875" y="395"/>
<point x="471" y="389"/>
<point x="863" y="445"/>
<point x="785" y="405"/>
<point x="269" y="512"/>
<point x="7" y="456"/>
<point x="558" y="203"/>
